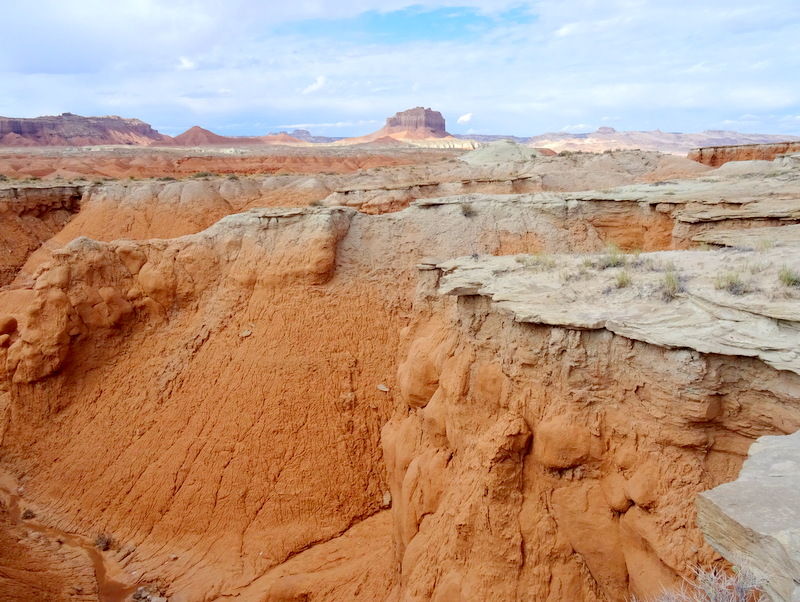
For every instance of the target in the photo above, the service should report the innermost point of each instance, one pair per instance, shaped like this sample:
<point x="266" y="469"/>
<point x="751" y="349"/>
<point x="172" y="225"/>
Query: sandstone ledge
<point x="669" y="299"/>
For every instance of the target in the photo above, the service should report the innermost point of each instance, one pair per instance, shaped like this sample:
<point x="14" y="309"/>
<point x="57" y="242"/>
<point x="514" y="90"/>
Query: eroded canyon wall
<point x="536" y="462"/>
<point x="719" y="155"/>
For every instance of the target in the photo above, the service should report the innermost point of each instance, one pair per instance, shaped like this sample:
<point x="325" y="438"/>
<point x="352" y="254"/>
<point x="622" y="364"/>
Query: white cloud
<point x="695" y="64"/>
<point x="466" y="118"/>
<point x="318" y="84"/>
<point x="186" y="64"/>
<point x="579" y="128"/>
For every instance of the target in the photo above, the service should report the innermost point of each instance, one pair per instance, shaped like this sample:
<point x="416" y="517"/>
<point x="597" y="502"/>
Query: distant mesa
<point x="418" y="126"/>
<point x="418" y="119"/>
<point x="68" y="129"/>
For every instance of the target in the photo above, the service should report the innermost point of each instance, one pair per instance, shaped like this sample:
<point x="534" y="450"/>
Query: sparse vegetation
<point x="789" y="277"/>
<point x="103" y="542"/>
<point x="765" y="244"/>
<point x="624" y="279"/>
<point x="467" y="210"/>
<point x="204" y="174"/>
<point x="731" y="282"/>
<point x="28" y="514"/>
<point x="614" y="257"/>
<point x="3" y="178"/>
<point x="233" y="176"/>
<point x="166" y="179"/>
<point x="717" y="585"/>
<point x="671" y="285"/>
<point x="540" y="261"/>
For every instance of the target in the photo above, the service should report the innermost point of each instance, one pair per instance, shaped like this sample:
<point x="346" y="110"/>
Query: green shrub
<point x="671" y="285"/>
<point x="614" y="257"/>
<point x="789" y="277"/>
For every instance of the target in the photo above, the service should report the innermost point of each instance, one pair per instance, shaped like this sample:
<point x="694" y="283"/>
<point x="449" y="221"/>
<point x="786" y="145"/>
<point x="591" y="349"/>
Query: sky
<point x="340" y="68"/>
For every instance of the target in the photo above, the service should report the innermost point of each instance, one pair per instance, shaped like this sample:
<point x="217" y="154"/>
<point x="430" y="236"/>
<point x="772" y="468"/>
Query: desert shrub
<point x="671" y="285"/>
<point x="614" y="257"/>
<point x="3" y="178"/>
<point x="103" y="541"/>
<point x="233" y="176"/>
<point x="540" y="261"/>
<point x="731" y="282"/>
<point x="204" y="174"/>
<point x="166" y="179"/>
<point x="716" y="585"/>
<point x="467" y="210"/>
<point x="624" y="279"/>
<point x="789" y="277"/>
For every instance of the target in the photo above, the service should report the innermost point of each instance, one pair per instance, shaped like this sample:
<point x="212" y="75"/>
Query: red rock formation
<point x="415" y="126"/>
<point x="417" y="118"/>
<point x="73" y="130"/>
<point x="719" y="155"/>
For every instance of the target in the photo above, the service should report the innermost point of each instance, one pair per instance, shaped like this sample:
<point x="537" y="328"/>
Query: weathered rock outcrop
<point x="73" y="130"/>
<point x="719" y="155"/>
<point x="558" y="443"/>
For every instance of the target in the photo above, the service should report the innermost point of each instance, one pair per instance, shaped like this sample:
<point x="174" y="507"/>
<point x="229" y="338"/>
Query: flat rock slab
<point x="755" y="520"/>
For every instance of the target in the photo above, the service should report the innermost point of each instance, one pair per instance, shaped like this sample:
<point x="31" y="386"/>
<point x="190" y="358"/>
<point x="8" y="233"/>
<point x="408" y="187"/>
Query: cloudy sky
<point x="340" y="67"/>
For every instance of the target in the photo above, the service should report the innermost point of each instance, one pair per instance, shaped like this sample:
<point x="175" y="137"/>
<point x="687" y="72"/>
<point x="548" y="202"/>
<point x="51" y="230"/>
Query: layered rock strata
<point x="73" y="130"/>
<point x="719" y="155"/>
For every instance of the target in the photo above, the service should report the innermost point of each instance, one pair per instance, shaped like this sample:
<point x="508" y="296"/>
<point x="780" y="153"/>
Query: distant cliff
<point x="717" y="155"/>
<point x="73" y="130"/>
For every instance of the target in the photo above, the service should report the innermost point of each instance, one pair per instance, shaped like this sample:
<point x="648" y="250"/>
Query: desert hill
<point x="197" y="136"/>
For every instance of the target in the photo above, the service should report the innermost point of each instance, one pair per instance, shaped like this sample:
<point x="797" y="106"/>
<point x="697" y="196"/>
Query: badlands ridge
<point x="395" y="373"/>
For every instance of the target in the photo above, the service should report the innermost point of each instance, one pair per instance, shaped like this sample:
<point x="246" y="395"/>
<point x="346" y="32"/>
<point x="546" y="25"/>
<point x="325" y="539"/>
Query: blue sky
<point x="340" y="68"/>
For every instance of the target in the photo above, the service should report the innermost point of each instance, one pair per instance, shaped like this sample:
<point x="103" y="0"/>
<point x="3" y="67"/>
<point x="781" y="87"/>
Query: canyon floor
<point x="375" y="373"/>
